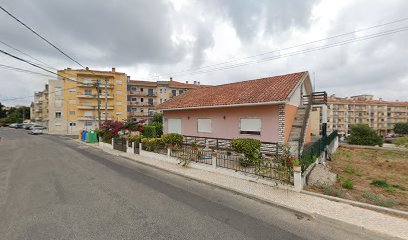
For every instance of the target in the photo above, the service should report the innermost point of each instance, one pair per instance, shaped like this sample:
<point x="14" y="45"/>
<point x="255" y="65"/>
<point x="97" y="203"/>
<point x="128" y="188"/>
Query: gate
<point x="119" y="144"/>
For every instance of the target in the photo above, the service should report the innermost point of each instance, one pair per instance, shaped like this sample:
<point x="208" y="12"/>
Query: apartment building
<point x="144" y="96"/>
<point x="73" y="99"/>
<point x="39" y="108"/>
<point x="364" y="109"/>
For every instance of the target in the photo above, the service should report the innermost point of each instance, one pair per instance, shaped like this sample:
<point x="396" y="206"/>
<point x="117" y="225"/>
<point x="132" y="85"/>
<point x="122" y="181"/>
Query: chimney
<point x="171" y="79"/>
<point x="186" y="82"/>
<point x="87" y="68"/>
<point x="113" y="69"/>
<point x="195" y="82"/>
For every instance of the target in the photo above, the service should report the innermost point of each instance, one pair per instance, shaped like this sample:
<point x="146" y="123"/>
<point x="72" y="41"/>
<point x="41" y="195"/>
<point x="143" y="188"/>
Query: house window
<point x="174" y="125"/>
<point x="174" y="93"/>
<point x="71" y="112"/>
<point x="204" y="125"/>
<point x="88" y="91"/>
<point x="181" y="91"/>
<point x="58" y="114"/>
<point x="88" y="123"/>
<point x="250" y="126"/>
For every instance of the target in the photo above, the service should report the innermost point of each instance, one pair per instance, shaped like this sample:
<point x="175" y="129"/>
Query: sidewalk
<point x="267" y="191"/>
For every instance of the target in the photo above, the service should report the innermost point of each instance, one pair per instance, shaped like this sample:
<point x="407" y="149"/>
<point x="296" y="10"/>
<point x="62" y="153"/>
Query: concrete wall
<point x="56" y="125"/>
<point x="228" y="127"/>
<point x="290" y="113"/>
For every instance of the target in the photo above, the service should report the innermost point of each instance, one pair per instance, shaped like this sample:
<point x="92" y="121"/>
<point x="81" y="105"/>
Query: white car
<point x="36" y="130"/>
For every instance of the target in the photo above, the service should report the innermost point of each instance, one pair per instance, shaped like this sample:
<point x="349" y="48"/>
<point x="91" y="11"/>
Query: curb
<point x="399" y="213"/>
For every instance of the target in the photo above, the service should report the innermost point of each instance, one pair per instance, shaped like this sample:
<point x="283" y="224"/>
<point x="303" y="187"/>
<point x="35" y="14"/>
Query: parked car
<point x="27" y="125"/>
<point x="35" y="131"/>
<point x="37" y="126"/>
<point x="19" y="125"/>
<point x="13" y="125"/>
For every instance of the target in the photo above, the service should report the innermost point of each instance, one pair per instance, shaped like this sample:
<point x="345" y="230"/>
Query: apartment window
<point x="71" y="101"/>
<point x="72" y="90"/>
<point x="150" y="92"/>
<point x="150" y="101"/>
<point x="141" y="89"/>
<point x="204" y="125"/>
<point x="118" y="82"/>
<point x="119" y="92"/>
<point x="72" y="124"/>
<point x="119" y="103"/>
<point x="181" y="91"/>
<point x="133" y="109"/>
<point x="88" y="113"/>
<point x="57" y="124"/>
<point x="165" y="90"/>
<point x="161" y="90"/>
<point x="174" y="92"/>
<point x="250" y="126"/>
<point x="88" y="123"/>
<point x="57" y="91"/>
<point x="58" y="114"/>
<point x="133" y="99"/>
<point x="88" y="91"/>
<point x="141" y="110"/>
<point x="161" y="100"/>
<point x="141" y="99"/>
<point x="71" y="112"/>
<point x="118" y="113"/>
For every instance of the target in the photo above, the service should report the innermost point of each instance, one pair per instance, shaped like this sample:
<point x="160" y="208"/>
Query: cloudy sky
<point x="213" y="41"/>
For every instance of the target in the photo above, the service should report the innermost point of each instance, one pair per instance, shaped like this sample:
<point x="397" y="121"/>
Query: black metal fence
<point x="194" y="154"/>
<point x="120" y="144"/>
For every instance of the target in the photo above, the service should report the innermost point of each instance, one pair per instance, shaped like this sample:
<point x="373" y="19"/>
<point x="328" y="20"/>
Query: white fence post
<point x="112" y="143"/>
<point x="297" y="179"/>
<point x="168" y="152"/>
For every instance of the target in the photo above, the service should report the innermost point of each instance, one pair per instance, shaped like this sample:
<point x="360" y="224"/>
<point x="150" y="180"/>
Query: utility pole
<point x="106" y="100"/>
<point x="98" y="87"/>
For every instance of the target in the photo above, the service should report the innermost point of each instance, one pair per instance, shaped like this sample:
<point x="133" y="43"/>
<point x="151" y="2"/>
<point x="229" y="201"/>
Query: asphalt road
<point x="54" y="188"/>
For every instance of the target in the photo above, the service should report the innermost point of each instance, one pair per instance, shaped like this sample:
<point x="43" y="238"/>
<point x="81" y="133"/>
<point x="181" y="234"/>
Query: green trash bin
<point x="91" y="137"/>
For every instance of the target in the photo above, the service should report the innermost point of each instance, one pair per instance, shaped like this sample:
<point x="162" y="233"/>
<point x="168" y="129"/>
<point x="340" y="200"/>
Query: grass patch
<point x="348" y="184"/>
<point x="349" y="170"/>
<point x="333" y="191"/>
<point x="400" y="187"/>
<point x="359" y="173"/>
<point x="379" y="201"/>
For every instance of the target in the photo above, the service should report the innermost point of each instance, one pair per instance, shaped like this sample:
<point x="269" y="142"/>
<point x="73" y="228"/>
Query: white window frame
<point x="204" y="125"/>
<point x="250" y="126"/>
<point x="60" y="114"/>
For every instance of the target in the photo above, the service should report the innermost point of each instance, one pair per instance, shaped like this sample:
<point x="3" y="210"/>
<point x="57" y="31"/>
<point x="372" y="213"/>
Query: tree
<point x="157" y="117"/>
<point x="362" y="134"/>
<point x="3" y="112"/>
<point x="401" y="128"/>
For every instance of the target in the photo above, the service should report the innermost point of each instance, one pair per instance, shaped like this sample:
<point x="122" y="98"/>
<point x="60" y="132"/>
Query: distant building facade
<point x="364" y="109"/>
<point x="39" y="108"/>
<point x="144" y="96"/>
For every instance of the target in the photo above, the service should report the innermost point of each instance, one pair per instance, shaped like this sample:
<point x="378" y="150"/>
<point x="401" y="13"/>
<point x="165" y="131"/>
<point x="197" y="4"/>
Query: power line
<point x="43" y="38"/>
<point x="23" y="70"/>
<point x="336" y="44"/>
<point x="28" y="55"/>
<point x="287" y="48"/>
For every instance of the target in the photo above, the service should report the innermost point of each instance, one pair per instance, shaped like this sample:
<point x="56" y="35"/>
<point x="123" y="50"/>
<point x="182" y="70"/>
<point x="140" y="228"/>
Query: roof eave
<point x="224" y="106"/>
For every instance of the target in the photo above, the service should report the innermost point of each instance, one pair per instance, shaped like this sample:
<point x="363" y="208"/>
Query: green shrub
<point x="400" y="187"/>
<point x="401" y="142"/>
<point x="401" y="128"/>
<point x="149" y="131"/>
<point x="152" y="144"/>
<point x="159" y="128"/>
<point x="174" y="139"/>
<point x="379" y="201"/>
<point x="362" y="134"/>
<point x="380" y="183"/>
<point x="136" y="139"/>
<point x="348" y="184"/>
<point x="249" y="147"/>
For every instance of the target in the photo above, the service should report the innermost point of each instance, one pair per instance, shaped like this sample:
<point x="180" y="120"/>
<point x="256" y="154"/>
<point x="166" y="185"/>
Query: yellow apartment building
<point x="364" y="109"/>
<point x="144" y="96"/>
<point x="73" y="101"/>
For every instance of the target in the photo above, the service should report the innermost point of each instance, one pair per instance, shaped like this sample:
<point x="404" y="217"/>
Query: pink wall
<point x="228" y="127"/>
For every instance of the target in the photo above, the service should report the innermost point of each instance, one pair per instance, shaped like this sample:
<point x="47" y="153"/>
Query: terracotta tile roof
<point x="262" y="90"/>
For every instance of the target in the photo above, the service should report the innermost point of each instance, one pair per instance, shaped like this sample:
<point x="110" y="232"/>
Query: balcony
<point x="82" y="95"/>
<point x="93" y="84"/>
<point x="92" y="118"/>
<point x="140" y="104"/>
<point x="139" y="114"/>
<point x="93" y="106"/>
<point x="142" y="94"/>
